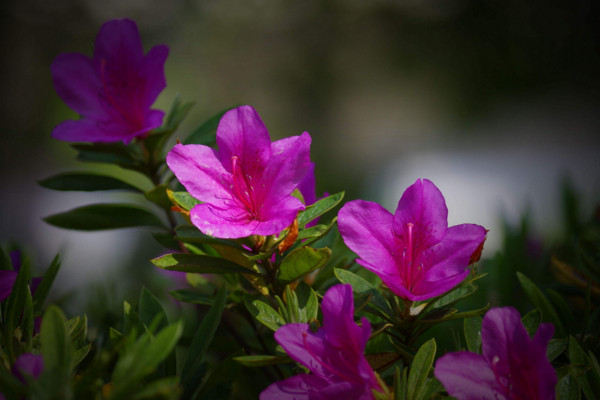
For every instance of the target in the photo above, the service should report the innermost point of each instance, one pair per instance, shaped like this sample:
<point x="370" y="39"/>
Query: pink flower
<point x="246" y="186"/>
<point x="512" y="367"/>
<point x="413" y="251"/>
<point x="334" y="354"/>
<point x="113" y="91"/>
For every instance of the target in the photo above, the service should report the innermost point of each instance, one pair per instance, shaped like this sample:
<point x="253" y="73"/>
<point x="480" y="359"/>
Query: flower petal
<point x="119" y="41"/>
<point x="154" y="77"/>
<point x="303" y="346"/>
<point x="289" y="164"/>
<point x="28" y="364"/>
<point x="242" y="134"/>
<point x="7" y="280"/>
<point x="422" y="205"/>
<point x="307" y="186"/>
<point x="77" y="84"/>
<point x="446" y="264"/>
<point x="199" y="169"/>
<point x="467" y="376"/>
<point x="294" y="388"/>
<point x="366" y="228"/>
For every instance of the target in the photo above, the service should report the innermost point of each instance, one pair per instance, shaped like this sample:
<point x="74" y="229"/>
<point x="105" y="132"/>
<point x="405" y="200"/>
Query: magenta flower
<point x="8" y="277"/>
<point x="512" y="367"/>
<point x="112" y="91"/>
<point x="414" y="252"/>
<point x="28" y="366"/>
<point x="334" y="354"/>
<point x="246" y="185"/>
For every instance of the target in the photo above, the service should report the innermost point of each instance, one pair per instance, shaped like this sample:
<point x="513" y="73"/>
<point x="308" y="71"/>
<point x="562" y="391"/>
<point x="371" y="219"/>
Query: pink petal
<point x="241" y="133"/>
<point x="7" y="280"/>
<point x="119" y="41"/>
<point x="366" y="228"/>
<point x="154" y="68"/>
<point x="422" y="205"/>
<point x="303" y="346"/>
<point x="77" y="84"/>
<point x="467" y="376"/>
<point x="294" y="388"/>
<point x="199" y="169"/>
<point x="289" y="164"/>
<point x="28" y="364"/>
<point x="307" y="186"/>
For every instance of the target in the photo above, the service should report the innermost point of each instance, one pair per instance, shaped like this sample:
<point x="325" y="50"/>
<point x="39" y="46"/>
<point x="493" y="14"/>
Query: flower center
<point x="243" y="189"/>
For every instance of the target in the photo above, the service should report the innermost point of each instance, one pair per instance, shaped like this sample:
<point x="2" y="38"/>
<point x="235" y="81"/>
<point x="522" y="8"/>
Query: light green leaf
<point x="301" y="261"/>
<point x="319" y="208"/>
<point x="363" y="287"/>
<point x="472" y="330"/>
<point x="268" y="316"/>
<point x="262" y="360"/>
<point x="419" y="370"/>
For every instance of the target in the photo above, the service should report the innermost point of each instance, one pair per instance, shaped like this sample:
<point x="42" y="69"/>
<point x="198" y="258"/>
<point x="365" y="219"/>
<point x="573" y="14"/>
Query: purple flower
<point x="8" y="277"/>
<point x="414" y="252"/>
<point x="28" y="366"/>
<point x="246" y="185"/>
<point x="113" y="91"/>
<point x="512" y="367"/>
<point x="334" y="354"/>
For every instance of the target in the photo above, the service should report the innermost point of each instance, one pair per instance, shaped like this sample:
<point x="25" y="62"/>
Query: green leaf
<point x="164" y="389"/>
<point x="15" y="303"/>
<point x="27" y="320"/>
<point x="104" y="216"/>
<point x="80" y="354"/>
<point x="540" y="301"/>
<point x="472" y="330"/>
<point x="191" y="234"/>
<point x="301" y="261"/>
<point x="363" y="287"/>
<point x="201" y="264"/>
<point x="158" y="195"/>
<point x="183" y="200"/>
<point x="268" y="316"/>
<point x="110" y="153"/>
<point x="314" y="233"/>
<point x="453" y="296"/>
<point x="86" y="182"/>
<point x="262" y="360"/>
<point x="189" y="296"/>
<point x="319" y="208"/>
<point x="44" y="287"/>
<point x="150" y="308"/>
<point x="142" y="358"/>
<point x="56" y="349"/>
<point x="308" y="302"/>
<point x="578" y="357"/>
<point x="177" y="113"/>
<point x="556" y="348"/>
<point x="400" y="384"/>
<point x="166" y="240"/>
<point x="531" y="321"/>
<point x="200" y="343"/>
<point x="206" y="133"/>
<point x="419" y="370"/>
<point x="567" y="389"/>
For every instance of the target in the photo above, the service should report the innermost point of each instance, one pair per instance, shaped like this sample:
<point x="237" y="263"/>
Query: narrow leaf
<point x="206" y="133"/>
<point x="472" y="330"/>
<point x="86" y="182"/>
<point x="199" y="264"/>
<point x="262" y="360"/>
<point x="419" y="370"/>
<point x="319" y="208"/>
<point x="44" y="287"/>
<point x="540" y="301"/>
<point x="104" y="216"/>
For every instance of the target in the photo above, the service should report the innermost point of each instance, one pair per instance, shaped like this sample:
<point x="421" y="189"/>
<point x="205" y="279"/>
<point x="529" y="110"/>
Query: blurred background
<point x="497" y="102"/>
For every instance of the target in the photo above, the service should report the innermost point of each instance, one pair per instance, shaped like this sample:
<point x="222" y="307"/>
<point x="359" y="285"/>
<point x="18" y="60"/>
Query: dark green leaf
<point x="199" y="264"/>
<point x="164" y="389"/>
<point x="567" y="389"/>
<point x="150" y="308"/>
<point x="472" y="329"/>
<point x="308" y="302"/>
<point x="262" y="360"/>
<point x="268" y="316"/>
<point x="319" y="208"/>
<point x="16" y="301"/>
<point x="44" y="287"/>
<point x="86" y="182"/>
<point x="110" y="153"/>
<point x="206" y="133"/>
<point x="578" y="358"/>
<point x="531" y="321"/>
<point x="189" y="296"/>
<point x="158" y="195"/>
<point x="56" y="349"/>
<point x="27" y="320"/>
<point x="166" y="240"/>
<point x="400" y="384"/>
<point x="419" y="369"/>
<point x="104" y="216"/>
<point x="301" y="261"/>
<point x="200" y="343"/>
<point x="177" y="113"/>
<point x="555" y="348"/>
<point x="540" y="301"/>
<point x="362" y="286"/>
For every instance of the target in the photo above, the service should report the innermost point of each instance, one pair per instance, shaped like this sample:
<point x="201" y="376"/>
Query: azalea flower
<point x="512" y="367"/>
<point x="334" y="354"/>
<point x="413" y="251"/>
<point x="26" y="367"/>
<point x="113" y="91"/>
<point x="8" y="277"/>
<point x="246" y="186"/>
